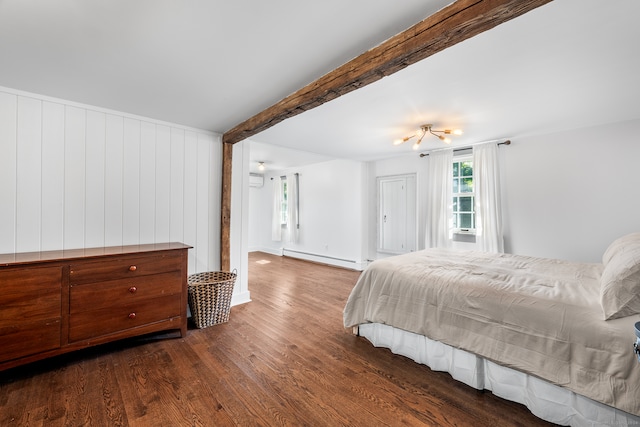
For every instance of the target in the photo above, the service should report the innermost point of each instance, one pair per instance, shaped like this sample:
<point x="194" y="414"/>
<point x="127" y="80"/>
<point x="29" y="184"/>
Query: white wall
<point x="259" y="217"/>
<point x="74" y="176"/>
<point x="333" y="226"/>
<point x="569" y="194"/>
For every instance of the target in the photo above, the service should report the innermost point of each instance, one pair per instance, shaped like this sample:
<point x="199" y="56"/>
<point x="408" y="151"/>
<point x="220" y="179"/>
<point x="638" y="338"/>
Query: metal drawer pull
<point x="133" y="268"/>
<point x="133" y="289"/>
<point x="132" y="315"/>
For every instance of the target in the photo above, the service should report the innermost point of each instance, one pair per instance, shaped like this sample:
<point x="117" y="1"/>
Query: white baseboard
<point x="326" y="259"/>
<point x="241" y="298"/>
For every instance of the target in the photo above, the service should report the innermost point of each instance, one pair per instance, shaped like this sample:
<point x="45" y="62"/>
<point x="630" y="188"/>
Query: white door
<point x="396" y="214"/>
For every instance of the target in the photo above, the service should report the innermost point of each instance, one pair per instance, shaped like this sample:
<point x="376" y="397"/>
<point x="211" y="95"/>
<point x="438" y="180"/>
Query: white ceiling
<point x="565" y="65"/>
<point x="208" y="64"/>
<point x="211" y="64"/>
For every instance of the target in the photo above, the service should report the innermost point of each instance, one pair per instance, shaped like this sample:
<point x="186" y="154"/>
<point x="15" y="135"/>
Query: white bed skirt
<point x="547" y="401"/>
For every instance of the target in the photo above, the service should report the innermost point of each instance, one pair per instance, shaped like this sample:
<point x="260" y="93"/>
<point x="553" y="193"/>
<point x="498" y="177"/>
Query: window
<point x="464" y="217"/>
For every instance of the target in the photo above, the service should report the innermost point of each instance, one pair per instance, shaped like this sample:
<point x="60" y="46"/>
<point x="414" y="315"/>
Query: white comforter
<point x="540" y="316"/>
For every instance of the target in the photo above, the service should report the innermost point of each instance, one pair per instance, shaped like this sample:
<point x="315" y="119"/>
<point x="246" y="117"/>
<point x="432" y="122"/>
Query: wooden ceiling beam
<point x="451" y="25"/>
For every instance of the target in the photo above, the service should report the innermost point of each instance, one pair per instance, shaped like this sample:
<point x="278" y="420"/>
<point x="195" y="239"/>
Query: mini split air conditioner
<point x="256" y="180"/>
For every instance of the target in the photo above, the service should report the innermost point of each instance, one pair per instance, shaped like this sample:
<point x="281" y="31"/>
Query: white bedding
<point x="538" y="316"/>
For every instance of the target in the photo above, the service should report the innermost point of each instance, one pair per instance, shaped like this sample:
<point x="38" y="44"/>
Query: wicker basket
<point x="210" y="297"/>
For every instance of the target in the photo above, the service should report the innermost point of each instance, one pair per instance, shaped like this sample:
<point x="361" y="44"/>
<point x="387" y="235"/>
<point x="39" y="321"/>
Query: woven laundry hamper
<point x="210" y="297"/>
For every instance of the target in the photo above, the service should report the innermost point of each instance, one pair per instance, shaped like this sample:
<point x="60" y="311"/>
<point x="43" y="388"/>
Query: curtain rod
<point x="507" y="142"/>
<point x="284" y="176"/>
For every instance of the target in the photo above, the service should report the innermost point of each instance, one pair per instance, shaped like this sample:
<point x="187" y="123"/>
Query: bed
<point x="554" y="335"/>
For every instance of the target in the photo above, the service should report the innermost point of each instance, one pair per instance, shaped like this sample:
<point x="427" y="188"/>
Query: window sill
<point x="464" y="231"/>
<point x="464" y="236"/>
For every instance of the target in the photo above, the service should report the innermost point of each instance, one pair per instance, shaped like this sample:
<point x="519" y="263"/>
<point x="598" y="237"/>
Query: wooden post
<point x="225" y="214"/>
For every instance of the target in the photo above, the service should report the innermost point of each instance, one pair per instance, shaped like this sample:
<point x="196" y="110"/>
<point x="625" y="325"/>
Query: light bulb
<point x="458" y="132"/>
<point x="403" y="140"/>
<point x="261" y="166"/>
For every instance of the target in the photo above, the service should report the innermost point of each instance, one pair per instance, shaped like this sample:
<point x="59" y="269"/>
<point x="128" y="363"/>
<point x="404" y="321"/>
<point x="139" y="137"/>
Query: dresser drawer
<point x="23" y="338"/>
<point x="30" y="311"/>
<point x="93" y="296"/>
<point x="123" y="268"/>
<point x="26" y="338"/>
<point x="30" y="293"/>
<point x="104" y="321"/>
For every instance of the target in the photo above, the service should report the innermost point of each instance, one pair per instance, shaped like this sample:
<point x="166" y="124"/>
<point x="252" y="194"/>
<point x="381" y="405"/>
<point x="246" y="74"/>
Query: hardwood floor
<point x="282" y="360"/>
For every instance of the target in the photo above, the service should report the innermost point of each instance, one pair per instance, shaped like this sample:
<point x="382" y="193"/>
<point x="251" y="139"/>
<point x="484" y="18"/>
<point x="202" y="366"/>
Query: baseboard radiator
<point x="340" y="262"/>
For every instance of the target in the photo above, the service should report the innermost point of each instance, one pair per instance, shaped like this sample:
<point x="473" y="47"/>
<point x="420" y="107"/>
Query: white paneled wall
<point x="74" y="176"/>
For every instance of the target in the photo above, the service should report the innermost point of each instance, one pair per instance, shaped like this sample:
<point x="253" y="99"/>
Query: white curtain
<point x="276" y="218"/>
<point x="486" y="180"/>
<point x="292" y="208"/>
<point x="439" y="199"/>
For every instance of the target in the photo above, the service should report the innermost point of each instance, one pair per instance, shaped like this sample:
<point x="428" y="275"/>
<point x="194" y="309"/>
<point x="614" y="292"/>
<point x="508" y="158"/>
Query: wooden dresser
<point x="59" y="301"/>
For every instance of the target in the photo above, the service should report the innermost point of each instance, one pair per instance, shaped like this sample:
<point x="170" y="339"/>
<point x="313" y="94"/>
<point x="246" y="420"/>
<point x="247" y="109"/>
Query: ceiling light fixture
<point x="260" y="166"/>
<point x="424" y="129"/>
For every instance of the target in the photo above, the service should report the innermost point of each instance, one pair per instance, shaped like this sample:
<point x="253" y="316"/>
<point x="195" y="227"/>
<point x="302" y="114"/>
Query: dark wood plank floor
<point x="282" y="360"/>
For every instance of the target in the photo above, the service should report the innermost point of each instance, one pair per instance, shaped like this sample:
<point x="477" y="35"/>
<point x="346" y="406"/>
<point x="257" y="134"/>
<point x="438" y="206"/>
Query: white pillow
<point x="620" y="281"/>
<point x="619" y="245"/>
